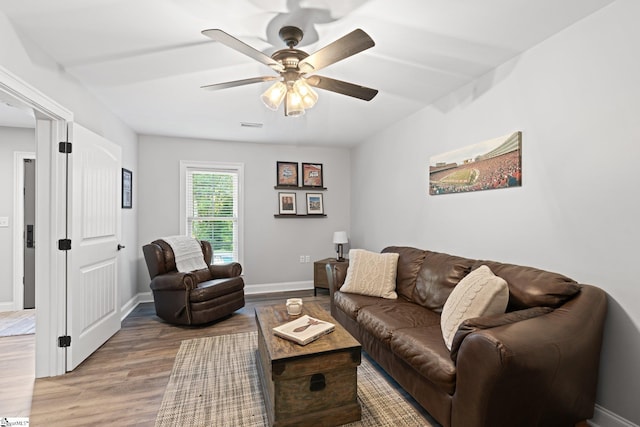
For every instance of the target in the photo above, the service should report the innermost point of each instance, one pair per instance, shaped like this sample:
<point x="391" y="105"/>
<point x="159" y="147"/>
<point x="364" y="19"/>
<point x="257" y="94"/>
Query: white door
<point x="93" y="312"/>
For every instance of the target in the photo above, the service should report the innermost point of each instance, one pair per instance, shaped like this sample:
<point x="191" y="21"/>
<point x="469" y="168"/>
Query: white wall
<point x="22" y="58"/>
<point x="272" y="246"/>
<point x="11" y="140"/>
<point x="576" y="98"/>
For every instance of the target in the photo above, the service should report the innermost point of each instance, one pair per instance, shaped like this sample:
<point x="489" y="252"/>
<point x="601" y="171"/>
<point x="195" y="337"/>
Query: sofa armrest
<point x="336" y="273"/>
<point x="223" y="271"/>
<point x="478" y="323"/>
<point x="539" y="371"/>
<point x="173" y="281"/>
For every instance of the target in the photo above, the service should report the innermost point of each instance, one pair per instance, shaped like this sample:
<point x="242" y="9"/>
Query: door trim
<point x="51" y="121"/>
<point x="18" y="226"/>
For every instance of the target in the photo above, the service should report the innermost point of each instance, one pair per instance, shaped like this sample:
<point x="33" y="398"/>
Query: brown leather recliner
<point x="194" y="298"/>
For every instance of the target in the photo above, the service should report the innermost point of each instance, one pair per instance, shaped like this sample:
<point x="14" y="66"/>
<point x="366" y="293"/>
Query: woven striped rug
<point x="214" y="382"/>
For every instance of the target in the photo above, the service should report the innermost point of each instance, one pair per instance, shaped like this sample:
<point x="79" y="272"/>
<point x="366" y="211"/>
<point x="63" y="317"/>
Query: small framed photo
<point x="287" y="203"/>
<point x="127" y="189"/>
<point x="312" y="175"/>
<point x="287" y="174"/>
<point x="315" y="206"/>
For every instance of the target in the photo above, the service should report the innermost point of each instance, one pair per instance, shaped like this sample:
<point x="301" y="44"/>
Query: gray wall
<point x="575" y="98"/>
<point x="272" y="246"/>
<point x="11" y="140"/>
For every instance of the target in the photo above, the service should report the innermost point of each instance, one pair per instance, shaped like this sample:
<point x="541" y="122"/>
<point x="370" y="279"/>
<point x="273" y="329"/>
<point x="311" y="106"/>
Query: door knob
<point x="120" y="246"/>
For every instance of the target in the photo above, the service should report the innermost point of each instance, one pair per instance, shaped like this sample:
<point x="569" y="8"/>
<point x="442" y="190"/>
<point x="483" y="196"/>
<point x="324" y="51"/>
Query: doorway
<point x="50" y="269"/>
<point x="24" y="241"/>
<point x="28" y="241"/>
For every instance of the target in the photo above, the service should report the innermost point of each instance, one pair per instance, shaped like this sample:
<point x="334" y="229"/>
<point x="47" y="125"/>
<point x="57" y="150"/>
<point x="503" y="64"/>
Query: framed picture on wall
<point x="312" y="175"/>
<point x="315" y="205"/>
<point x="287" y="174"/>
<point x="494" y="163"/>
<point x="287" y="203"/>
<point x="127" y="189"/>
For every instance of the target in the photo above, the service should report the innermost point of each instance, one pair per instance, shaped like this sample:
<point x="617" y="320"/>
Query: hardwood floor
<point x="123" y="382"/>
<point x="17" y="375"/>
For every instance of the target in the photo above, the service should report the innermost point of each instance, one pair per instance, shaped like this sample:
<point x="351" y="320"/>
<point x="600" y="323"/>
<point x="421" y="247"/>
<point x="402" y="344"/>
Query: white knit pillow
<point x="371" y="273"/>
<point x="479" y="293"/>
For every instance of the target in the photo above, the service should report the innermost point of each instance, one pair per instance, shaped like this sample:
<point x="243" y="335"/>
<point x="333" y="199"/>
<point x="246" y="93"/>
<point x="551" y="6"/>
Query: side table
<point x="320" y="273"/>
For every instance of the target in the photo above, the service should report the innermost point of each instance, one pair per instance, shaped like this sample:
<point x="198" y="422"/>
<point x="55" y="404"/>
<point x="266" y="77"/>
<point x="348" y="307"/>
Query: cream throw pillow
<point x="479" y="293"/>
<point x="372" y="274"/>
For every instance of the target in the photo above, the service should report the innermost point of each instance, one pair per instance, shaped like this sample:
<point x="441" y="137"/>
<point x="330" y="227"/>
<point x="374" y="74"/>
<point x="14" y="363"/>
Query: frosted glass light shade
<point x="293" y="103"/>
<point x="308" y="95"/>
<point x="273" y="96"/>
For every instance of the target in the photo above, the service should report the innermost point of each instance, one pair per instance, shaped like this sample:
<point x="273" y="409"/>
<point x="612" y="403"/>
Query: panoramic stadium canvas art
<point x="496" y="163"/>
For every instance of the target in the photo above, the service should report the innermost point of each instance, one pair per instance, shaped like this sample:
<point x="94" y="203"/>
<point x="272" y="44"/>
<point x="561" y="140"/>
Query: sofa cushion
<point x="423" y="349"/>
<point x="210" y="289"/>
<point x="480" y="293"/>
<point x="439" y="274"/>
<point x="383" y="320"/>
<point x="371" y="273"/>
<point x="531" y="287"/>
<point x="351" y="304"/>
<point x="409" y="263"/>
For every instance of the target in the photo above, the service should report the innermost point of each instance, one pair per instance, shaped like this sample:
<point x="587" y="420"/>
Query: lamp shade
<point x="308" y="96"/>
<point x="273" y="96"/>
<point x="293" y="103"/>
<point x="340" y="237"/>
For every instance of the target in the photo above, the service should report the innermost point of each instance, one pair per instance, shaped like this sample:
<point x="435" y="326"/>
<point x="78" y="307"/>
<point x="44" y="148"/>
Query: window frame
<point x="185" y="166"/>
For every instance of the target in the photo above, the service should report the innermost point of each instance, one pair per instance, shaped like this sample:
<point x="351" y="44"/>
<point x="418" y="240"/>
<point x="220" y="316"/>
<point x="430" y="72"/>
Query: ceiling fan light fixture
<point x="292" y="64"/>
<point x="293" y="103"/>
<point x="273" y="96"/>
<point x="308" y="95"/>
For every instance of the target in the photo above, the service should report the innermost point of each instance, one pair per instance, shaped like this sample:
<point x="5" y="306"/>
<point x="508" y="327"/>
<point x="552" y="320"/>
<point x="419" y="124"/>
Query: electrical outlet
<point x="307" y="258"/>
<point x="301" y="258"/>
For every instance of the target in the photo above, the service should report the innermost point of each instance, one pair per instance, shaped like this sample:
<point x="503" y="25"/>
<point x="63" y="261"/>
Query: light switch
<point x="4" y="221"/>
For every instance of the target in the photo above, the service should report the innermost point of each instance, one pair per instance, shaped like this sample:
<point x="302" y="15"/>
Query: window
<point x="211" y="207"/>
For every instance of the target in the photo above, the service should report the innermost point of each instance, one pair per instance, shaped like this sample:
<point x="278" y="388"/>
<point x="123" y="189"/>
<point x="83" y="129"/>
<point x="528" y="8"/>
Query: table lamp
<point x="340" y="238"/>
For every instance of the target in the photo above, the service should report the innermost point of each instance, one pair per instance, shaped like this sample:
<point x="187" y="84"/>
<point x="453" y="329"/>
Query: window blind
<point x="212" y="210"/>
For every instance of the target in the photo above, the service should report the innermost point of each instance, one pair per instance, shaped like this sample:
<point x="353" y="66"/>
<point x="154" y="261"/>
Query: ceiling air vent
<point x="250" y="125"/>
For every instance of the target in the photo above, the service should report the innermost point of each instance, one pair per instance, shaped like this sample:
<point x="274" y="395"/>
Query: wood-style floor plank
<point x="123" y="382"/>
<point x="17" y="375"/>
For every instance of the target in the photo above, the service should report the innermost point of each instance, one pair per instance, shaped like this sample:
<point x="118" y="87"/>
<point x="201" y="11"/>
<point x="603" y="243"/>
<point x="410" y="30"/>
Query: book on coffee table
<point x="304" y="329"/>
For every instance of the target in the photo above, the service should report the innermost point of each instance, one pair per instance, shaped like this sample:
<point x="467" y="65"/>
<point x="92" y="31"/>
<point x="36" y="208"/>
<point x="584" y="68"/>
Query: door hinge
<point x="64" y="147"/>
<point x="64" y="341"/>
<point x="64" y="244"/>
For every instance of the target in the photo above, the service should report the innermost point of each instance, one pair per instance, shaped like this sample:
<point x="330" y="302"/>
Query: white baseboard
<point x="278" y="287"/>
<point x="602" y="417"/>
<point x="7" y="306"/>
<point x="128" y="307"/>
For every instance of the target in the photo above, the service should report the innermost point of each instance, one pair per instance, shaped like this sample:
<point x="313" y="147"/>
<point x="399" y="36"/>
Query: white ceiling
<point x="146" y="59"/>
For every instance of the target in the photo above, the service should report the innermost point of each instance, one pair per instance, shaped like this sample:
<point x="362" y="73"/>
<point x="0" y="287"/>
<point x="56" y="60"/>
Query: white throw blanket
<point x="187" y="252"/>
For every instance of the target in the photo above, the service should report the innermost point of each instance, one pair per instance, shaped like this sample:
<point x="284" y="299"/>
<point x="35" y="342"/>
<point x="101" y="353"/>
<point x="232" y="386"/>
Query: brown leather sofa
<point x="535" y="365"/>
<point x="194" y="298"/>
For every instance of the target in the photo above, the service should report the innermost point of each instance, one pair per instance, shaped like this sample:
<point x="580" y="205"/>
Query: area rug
<point x="214" y="382"/>
<point x="22" y="322"/>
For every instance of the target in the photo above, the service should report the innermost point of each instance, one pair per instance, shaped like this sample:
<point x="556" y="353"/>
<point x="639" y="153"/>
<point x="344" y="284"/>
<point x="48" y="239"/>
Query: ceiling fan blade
<point x="354" y="42"/>
<point x="234" y="43"/>
<point x="343" y="88"/>
<point x="218" y="86"/>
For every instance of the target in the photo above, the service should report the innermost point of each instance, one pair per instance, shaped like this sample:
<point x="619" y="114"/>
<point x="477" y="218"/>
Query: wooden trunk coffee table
<point x="311" y="385"/>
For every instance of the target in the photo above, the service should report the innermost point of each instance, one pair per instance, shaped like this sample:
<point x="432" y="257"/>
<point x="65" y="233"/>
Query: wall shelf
<point x="300" y="216"/>
<point x="282" y="187"/>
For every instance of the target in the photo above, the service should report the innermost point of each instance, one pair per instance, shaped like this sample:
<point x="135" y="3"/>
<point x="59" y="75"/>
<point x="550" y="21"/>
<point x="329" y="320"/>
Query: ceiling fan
<point x="295" y="67"/>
